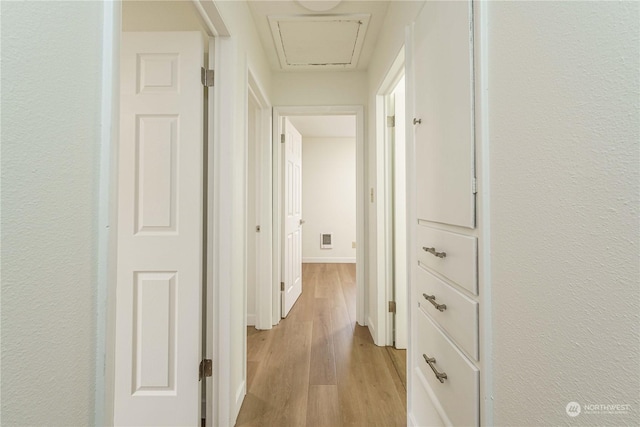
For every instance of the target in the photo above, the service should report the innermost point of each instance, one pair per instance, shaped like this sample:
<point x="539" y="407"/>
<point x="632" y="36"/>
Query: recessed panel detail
<point x="156" y="174"/>
<point x="154" y="345"/>
<point x="158" y="72"/>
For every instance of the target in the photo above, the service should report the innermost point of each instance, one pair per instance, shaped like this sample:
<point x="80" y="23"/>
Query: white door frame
<point x="264" y="200"/>
<point x="218" y="296"/>
<point x="362" y="244"/>
<point x="384" y="209"/>
<point x="220" y="237"/>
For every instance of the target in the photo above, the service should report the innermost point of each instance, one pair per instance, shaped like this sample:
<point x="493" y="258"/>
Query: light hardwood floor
<point x="318" y="367"/>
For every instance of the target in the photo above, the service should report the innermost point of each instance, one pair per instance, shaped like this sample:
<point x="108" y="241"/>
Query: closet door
<point x="443" y="124"/>
<point x="158" y="321"/>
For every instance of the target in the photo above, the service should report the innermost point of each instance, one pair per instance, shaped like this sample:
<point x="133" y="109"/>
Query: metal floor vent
<point x="326" y="240"/>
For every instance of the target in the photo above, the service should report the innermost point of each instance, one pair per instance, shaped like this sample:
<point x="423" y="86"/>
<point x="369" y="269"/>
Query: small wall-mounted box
<point x="326" y="240"/>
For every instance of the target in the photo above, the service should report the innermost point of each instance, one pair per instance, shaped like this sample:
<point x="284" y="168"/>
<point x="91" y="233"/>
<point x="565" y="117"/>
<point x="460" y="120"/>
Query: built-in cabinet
<point x="445" y="302"/>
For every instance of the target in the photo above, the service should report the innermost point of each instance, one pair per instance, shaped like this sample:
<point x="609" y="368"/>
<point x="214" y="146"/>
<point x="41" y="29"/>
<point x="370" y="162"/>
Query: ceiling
<point x="299" y="38"/>
<point x="325" y="126"/>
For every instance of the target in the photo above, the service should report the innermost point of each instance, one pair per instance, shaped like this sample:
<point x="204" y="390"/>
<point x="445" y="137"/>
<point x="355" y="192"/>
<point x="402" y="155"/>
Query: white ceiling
<point x="263" y="9"/>
<point x="325" y="126"/>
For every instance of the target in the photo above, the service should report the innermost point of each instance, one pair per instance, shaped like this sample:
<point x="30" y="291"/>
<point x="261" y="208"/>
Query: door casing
<point x="264" y="199"/>
<point x="384" y="214"/>
<point x="361" y="238"/>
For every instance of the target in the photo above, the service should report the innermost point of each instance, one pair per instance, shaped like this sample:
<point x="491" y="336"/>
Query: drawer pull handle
<point x="432" y="300"/>
<point x="431" y="361"/>
<point x="433" y="252"/>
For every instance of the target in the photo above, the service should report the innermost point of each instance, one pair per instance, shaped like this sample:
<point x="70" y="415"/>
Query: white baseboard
<point x="411" y="421"/>
<point x="240" y="393"/>
<point x="323" y="260"/>
<point x="372" y="329"/>
<point x="251" y="320"/>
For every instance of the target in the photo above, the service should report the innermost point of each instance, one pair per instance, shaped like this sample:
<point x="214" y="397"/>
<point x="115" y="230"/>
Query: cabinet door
<point x="443" y="100"/>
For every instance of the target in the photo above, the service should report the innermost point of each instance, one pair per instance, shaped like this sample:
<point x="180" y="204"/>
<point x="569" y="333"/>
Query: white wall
<point x="564" y="126"/>
<point x="249" y="54"/>
<point x="390" y="41"/>
<point x="51" y="97"/>
<point x="319" y="88"/>
<point x="162" y="15"/>
<point x="329" y="198"/>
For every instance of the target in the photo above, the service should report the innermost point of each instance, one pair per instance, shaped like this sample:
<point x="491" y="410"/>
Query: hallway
<point x="318" y="368"/>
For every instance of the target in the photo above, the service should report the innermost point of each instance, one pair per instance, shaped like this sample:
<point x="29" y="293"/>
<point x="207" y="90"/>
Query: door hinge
<point x="206" y="369"/>
<point x="207" y="77"/>
<point x="391" y="121"/>
<point x="282" y="138"/>
<point x="282" y="286"/>
<point x="392" y="306"/>
<point x="474" y="185"/>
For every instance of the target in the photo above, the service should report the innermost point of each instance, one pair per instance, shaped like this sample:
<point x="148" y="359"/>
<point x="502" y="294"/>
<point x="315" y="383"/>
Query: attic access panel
<point x="319" y="41"/>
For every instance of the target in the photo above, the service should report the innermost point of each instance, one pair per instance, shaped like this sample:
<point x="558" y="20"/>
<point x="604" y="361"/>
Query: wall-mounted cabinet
<point x="445" y="358"/>
<point x="444" y="113"/>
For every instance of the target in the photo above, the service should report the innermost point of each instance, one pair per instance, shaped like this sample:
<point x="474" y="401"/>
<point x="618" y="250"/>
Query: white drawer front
<point x="426" y="411"/>
<point x="460" y="316"/>
<point x="455" y="256"/>
<point x="459" y="394"/>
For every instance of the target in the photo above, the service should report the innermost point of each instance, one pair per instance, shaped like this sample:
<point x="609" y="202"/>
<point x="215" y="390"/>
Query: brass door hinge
<point x="282" y="286"/>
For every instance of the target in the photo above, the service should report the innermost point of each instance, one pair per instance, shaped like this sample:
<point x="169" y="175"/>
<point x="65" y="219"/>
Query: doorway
<point x="392" y="211"/>
<point x="278" y="179"/>
<point x="259" y="230"/>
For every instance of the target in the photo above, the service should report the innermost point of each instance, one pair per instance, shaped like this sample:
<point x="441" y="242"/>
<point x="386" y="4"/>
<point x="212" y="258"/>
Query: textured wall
<point x="51" y="62"/>
<point x="564" y="132"/>
<point x="328" y="197"/>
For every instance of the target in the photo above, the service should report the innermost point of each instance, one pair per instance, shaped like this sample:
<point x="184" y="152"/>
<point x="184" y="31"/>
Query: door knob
<point x="301" y="221"/>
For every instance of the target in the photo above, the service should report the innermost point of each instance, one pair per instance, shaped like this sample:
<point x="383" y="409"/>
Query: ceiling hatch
<point x="315" y="42"/>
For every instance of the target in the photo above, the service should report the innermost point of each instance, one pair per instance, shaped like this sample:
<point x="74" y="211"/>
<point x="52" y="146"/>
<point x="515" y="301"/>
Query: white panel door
<point x="159" y="277"/>
<point x="444" y="140"/>
<point x="292" y="209"/>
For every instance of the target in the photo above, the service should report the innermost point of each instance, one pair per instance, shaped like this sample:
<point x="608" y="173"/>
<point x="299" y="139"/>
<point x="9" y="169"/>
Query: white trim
<point x="251" y="320"/>
<point x="384" y="208"/>
<point x="372" y="327"/>
<point x="481" y="61"/>
<point x="361" y="196"/>
<point x="411" y="209"/>
<point x="239" y="397"/>
<point x="211" y="17"/>
<point x="276" y="207"/>
<point x="107" y="216"/>
<point x="264" y="257"/>
<point x="322" y="260"/>
<point x="220" y="232"/>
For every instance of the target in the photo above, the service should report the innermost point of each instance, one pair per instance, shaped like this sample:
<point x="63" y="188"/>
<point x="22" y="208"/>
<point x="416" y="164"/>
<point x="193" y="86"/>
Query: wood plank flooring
<point x="318" y="367"/>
